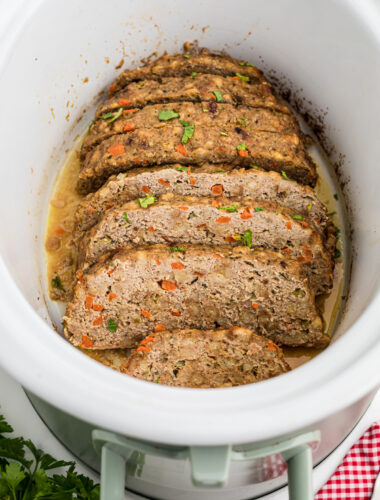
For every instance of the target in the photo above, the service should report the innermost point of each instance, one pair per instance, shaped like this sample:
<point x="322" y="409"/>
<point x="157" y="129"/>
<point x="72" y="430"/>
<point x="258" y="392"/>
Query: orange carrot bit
<point x="127" y="111"/>
<point x="286" y="250"/>
<point x="163" y="182"/>
<point x="111" y="271"/>
<point x="129" y="127"/>
<point x="223" y="220"/>
<point x="217" y="189"/>
<point x="59" y="231"/>
<point x="169" y="286"/>
<point x="98" y="307"/>
<point x="177" y="265"/>
<point x="91" y="209"/>
<point x="79" y="274"/>
<point x="147" y="339"/>
<point x="192" y="180"/>
<point x="242" y="153"/>
<point x="306" y="249"/>
<point x="145" y="189"/>
<point x="201" y="226"/>
<point x="183" y="208"/>
<point x="235" y="78"/>
<point x="143" y="348"/>
<point x="151" y="229"/>
<point x="175" y="313"/>
<point x="181" y="149"/>
<point x="112" y="296"/>
<point x="116" y="150"/>
<point x="98" y="321"/>
<point x="86" y="342"/>
<point x="288" y="225"/>
<point x="124" y="102"/>
<point x="159" y="328"/>
<point x="112" y="87"/>
<point x="89" y="300"/>
<point x="146" y="314"/>
<point x="271" y="346"/>
<point x="198" y="274"/>
<point x="166" y="239"/>
<point x="304" y="224"/>
<point x="214" y="203"/>
<point x="217" y="256"/>
<point x="229" y="239"/>
<point x="158" y="262"/>
<point x="189" y="171"/>
<point x="255" y="306"/>
<point x="301" y="259"/>
<point x="246" y="214"/>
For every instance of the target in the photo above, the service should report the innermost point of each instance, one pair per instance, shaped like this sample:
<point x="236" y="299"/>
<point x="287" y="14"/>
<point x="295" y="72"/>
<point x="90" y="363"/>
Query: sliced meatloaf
<point x="185" y="64"/>
<point x="123" y="298"/>
<point x="207" y="180"/>
<point x="199" y="88"/>
<point x="152" y="146"/>
<point x="180" y="219"/>
<point x="206" y="359"/>
<point x="242" y="117"/>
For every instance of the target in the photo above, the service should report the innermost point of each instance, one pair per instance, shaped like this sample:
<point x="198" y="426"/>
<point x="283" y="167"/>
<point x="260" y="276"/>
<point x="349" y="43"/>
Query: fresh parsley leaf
<point x="57" y="283"/>
<point x="112" y="326"/>
<point x="254" y="166"/>
<point x="193" y="74"/>
<point x="149" y="199"/>
<point x="116" y="115"/>
<point x="241" y="147"/>
<point x="218" y="95"/>
<point x="224" y="133"/>
<point x="183" y="169"/>
<point x="231" y="208"/>
<point x="236" y="237"/>
<point x="107" y="115"/>
<point x="259" y="209"/>
<point x="13" y="475"/>
<point x="309" y="206"/>
<point x="126" y="218"/>
<point x="284" y="175"/>
<point x="188" y="131"/>
<point x="167" y="114"/>
<point x="186" y="56"/>
<point x="177" y="249"/>
<point x="242" y="77"/>
<point x="297" y="217"/>
<point x="247" y="238"/>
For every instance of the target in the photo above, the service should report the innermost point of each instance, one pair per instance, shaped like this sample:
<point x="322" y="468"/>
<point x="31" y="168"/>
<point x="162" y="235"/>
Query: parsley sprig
<point x="188" y="131"/>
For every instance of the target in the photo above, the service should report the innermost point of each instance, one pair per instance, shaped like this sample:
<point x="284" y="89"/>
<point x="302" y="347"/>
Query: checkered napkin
<point x="356" y="475"/>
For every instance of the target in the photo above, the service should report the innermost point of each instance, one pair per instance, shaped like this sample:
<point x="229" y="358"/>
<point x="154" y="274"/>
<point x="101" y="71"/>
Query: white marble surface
<point x="21" y="415"/>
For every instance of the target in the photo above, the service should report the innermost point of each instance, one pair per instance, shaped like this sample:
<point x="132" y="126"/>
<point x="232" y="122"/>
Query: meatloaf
<point x="196" y="89"/>
<point x="180" y="219"/>
<point x="185" y="64"/>
<point x="197" y="114"/>
<point x="200" y="181"/>
<point x="126" y="296"/>
<point x="206" y="359"/>
<point x="151" y="146"/>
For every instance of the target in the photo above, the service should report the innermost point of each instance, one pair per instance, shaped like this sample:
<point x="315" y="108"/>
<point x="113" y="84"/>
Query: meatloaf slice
<point x="196" y="89"/>
<point x="206" y="359"/>
<point x="152" y="146"/>
<point x="180" y="219"/>
<point x="123" y="298"/>
<point x="207" y="180"/>
<point x="245" y="118"/>
<point x="186" y="64"/>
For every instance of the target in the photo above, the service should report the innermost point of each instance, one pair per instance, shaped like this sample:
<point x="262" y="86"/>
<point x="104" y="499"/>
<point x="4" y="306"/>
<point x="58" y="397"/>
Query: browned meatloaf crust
<point x="126" y="297"/>
<point x="185" y="64"/>
<point x="152" y="146"/>
<point x="180" y="219"/>
<point x="206" y="359"/>
<point x="197" y="89"/>
<point x="207" y="180"/>
<point x="197" y="114"/>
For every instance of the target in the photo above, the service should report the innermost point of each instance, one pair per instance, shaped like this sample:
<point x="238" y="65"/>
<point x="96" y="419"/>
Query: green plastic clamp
<point x="209" y="464"/>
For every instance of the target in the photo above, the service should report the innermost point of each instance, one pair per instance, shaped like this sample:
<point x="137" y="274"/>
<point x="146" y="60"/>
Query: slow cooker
<point x="171" y="443"/>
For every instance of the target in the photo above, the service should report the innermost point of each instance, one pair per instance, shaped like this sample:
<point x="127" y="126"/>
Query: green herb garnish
<point x="112" y="326"/>
<point x="117" y="114"/>
<point x="188" y="132"/>
<point x="231" y="208"/>
<point x="177" y="249"/>
<point x="297" y="217"/>
<point x="245" y="63"/>
<point x="309" y="206"/>
<point x="237" y="237"/>
<point x="183" y="169"/>
<point x="254" y="166"/>
<point x="107" y="115"/>
<point x="242" y="77"/>
<point x="57" y="283"/>
<point x="193" y="74"/>
<point x="241" y="147"/>
<point x="159" y="378"/>
<point x="186" y="56"/>
<point x="205" y="110"/>
<point x="167" y="114"/>
<point x="259" y="209"/>
<point x="126" y="218"/>
<point x="224" y="133"/>
<point x="221" y="171"/>
<point x="218" y="95"/>
<point x="247" y="238"/>
<point x="149" y="199"/>
<point x="284" y="175"/>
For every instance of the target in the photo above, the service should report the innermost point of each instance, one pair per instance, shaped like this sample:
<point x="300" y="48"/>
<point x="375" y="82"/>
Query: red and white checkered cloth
<point x="356" y="475"/>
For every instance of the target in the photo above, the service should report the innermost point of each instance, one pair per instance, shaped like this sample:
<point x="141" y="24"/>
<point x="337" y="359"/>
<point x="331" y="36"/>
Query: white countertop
<point x="16" y="408"/>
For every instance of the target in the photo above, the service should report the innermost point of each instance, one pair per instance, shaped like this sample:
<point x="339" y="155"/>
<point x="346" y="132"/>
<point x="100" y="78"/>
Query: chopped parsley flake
<point x="259" y="209"/>
<point x="188" y="132"/>
<point x="107" y="115"/>
<point x="218" y="96"/>
<point x="159" y="378"/>
<point x="231" y="208"/>
<point x="177" y="249"/>
<point x="183" y="169"/>
<point x="297" y="217"/>
<point x="186" y="56"/>
<point x="245" y="63"/>
<point x="205" y="110"/>
<point x="116" y="115"/>
<point x="126" y="218"/>
<point x="193" y="74"/>
<point x="57" y="283"/>
<point x="242" y="77"/>
<point x="243" y="119"/>
<point x="284" y="175"/>
<point x="247" y="238"/>
<point x="167" y="114"/>
<point x="241" y="147"/>
<point x="221" y="171"/>
<point x="149" y="199"/>
<point x="254" y="166"/>
<point x="224" y="133"/>
<point x="237" y="237"/>
<point x="309" y="207"/>
<point x="112" y="326"/>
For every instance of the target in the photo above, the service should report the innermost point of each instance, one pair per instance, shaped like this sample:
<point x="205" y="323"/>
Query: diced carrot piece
<point x="159" y="328"/>
<point x="183" y="208"/>
<point x="288" y="225"/>
<point x="89" y="300"/>
<point x="158" y="262"/>
<point x="201" y="226"/>
<point x="151" y="229"/>
<point x="111" y="271"/>
<point x="91" y="209"/>
<point x="143" y="348"/>
<point x="223" y="220"/>
<point x="147" y="339"/>
<point x="304" y="224"/>
<point x="79" y="274"/>
<point x="146" y="314"/>
<point x="112" y="88"/>
<point x="129" y="127"/>
<point x="255" y="306"/>
<point x="177" y="265"/>
<point x="181" y="149"/>
<point x="229" y="239"/>
<point x="116" y="150"/>
<point x="192" y="180"/>
<point x="175" y="313"/>
<point x="242" y="153"/>
<point x="271" y="346"/>
<point x="246" y="214"/>
<point x="145" y="189"/>
<point x="112" y="296"/>
<point x="86" y="342"/>
<point x="169" y="286"/>
<point x="98" y="321"/>
<point x="188" y="170"/>
<point x="217" y="189"/>
<point x="98" y="307"/>
<point x="124" y="102"/>
<point x="286" y="250"/>
<point x="214" y="203"/>
<point x="163" y="182"/>
<point x="217" y="256"/>
<point x="127" y="111"/>
<point x="198" y="274"/>
<point x="59" y="231"/>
